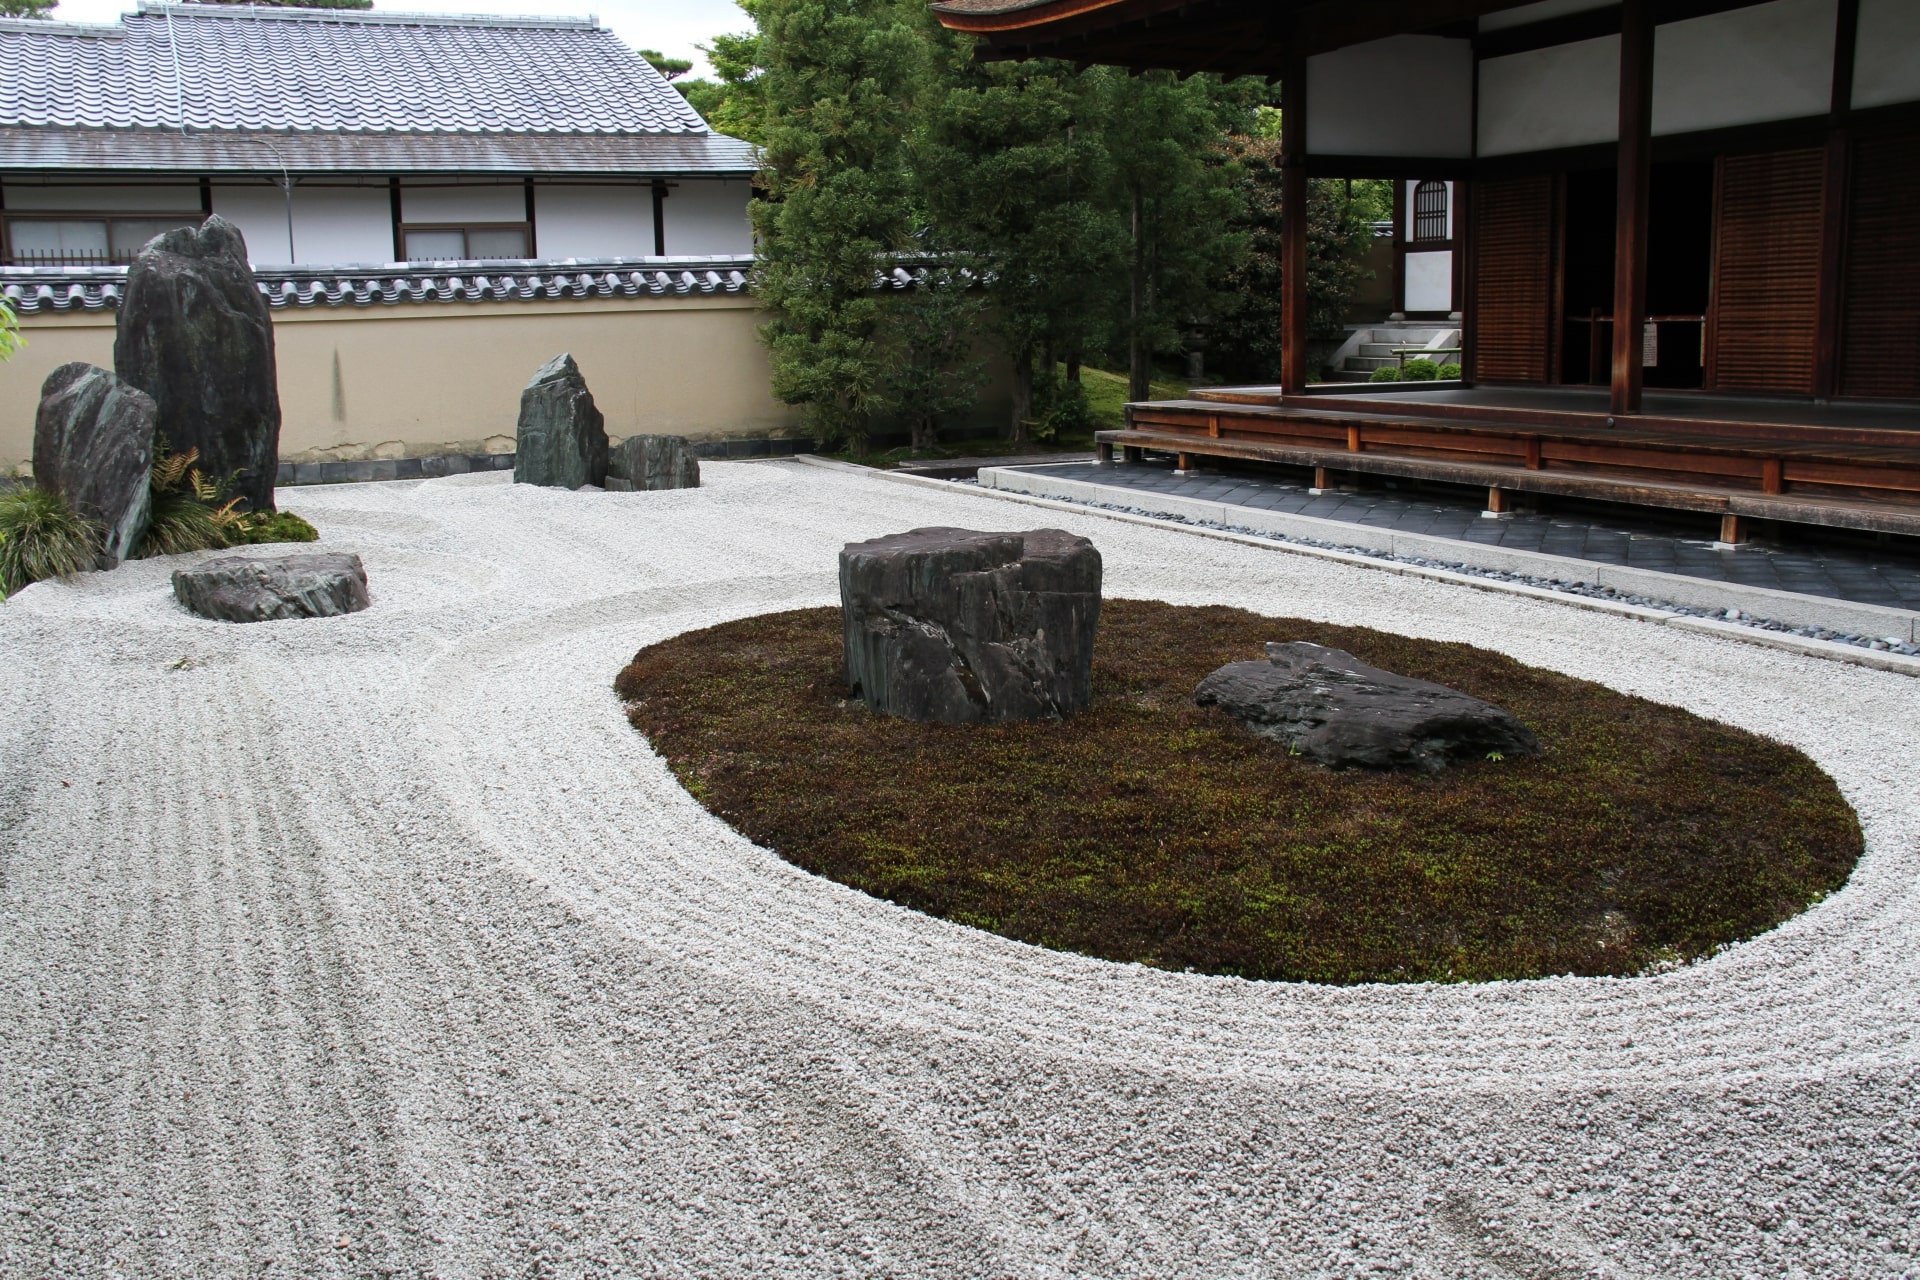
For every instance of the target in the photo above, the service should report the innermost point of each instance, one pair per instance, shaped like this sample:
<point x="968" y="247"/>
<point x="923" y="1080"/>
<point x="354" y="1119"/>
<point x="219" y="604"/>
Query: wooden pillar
<point x="1293" y="227"/>
<point x="1320" y="481"/>
<point x="1630" y="216"/>
<point x="1733" y="530"/>
<point x="1103" y="453"/>
<point x="1498" y="508"/>
<point x="1833" y="203"/>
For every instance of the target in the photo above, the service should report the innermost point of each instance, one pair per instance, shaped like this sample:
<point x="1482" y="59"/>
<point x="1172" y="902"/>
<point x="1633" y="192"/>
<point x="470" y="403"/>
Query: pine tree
<point x="836" y="85"/>
<point x="26" y="8"/>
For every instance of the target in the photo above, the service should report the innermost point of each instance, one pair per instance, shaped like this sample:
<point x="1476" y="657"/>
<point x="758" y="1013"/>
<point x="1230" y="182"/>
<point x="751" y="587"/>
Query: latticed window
<point x="1430" y="211"/>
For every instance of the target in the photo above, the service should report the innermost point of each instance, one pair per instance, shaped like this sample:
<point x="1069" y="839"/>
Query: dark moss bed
<point x="1151" y="830"/>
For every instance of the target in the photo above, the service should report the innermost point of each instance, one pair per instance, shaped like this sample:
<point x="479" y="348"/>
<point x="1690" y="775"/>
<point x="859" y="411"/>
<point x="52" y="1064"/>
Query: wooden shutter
<point x="1764" y="318"/>
<point x="1513" y="319"/>
<point x="1880" y="305"/>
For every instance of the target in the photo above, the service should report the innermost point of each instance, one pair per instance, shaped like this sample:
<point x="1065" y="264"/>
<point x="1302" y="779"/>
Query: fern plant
<point x="194" y="512"/>
<point x="41" y="536"/>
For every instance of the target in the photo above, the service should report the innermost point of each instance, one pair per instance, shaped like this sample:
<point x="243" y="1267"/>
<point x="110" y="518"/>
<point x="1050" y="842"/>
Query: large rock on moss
<point x="562" y="438"/>
<point x="195" y="334"/>
<point x="322" y="584"/>
<point x="963" y="627"/>
<point x="93" y="445"/>
<point x="1328" y="705"/>
<point x="641" y="463"/>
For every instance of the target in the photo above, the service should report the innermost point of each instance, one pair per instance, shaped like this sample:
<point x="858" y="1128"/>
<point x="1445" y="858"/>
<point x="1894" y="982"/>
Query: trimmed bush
<point x="1450" y="372"/>
<point x="42" y="537"/>
<point x="1422" y="371"/>
<point x="1386" y="373"/>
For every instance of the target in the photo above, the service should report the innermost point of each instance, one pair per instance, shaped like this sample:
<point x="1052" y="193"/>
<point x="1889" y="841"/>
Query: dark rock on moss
<point x="93" y="445"/>
<point x="268" y="589"/>
<point x="562" y="437"/>
<point x="195" y="334"/>
<point x="652" y="462"/>
<point x="1330" y="706"/>
<point x="971" y="628"/>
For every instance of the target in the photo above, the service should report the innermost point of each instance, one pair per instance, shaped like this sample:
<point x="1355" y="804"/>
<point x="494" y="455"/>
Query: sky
<point x="671" y="26"/>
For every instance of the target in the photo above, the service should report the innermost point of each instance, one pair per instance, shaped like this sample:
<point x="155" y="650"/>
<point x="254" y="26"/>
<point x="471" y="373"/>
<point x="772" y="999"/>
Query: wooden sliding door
<point x="1880" y="302"/>
<point x="1764" y="318"/>
<point x="1513" y="303"/>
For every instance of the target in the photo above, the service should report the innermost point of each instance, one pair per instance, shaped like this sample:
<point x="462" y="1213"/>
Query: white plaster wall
<point x="1430" y="281"/>
<point x="1745" y="66"/>
<point x="593" y="221"/>
<point x="708" y="215"/>
<point x="1566" y="96"/>
<point x="1886" y="67"/>
<point x="425" y="201"/>
<point x="1405" y="95"/>
<point x="1539" y="12"/>
<point x="331" y="225"/>
<point x="156" y="197"/>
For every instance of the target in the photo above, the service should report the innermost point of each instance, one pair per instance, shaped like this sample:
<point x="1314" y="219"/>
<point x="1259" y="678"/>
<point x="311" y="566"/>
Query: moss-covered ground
<point x="1148" y="829"/>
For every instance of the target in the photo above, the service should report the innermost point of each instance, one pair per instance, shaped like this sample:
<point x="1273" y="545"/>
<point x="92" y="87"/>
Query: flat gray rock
<point x="93" y="445"/>
<point x="962" y="627"/>
<point x="561" y="441"/>
<point x="316" y="584"/>
<point x="643" y="463"/>
<point x="1328" y="705"/>
<point x="194" y="333"/>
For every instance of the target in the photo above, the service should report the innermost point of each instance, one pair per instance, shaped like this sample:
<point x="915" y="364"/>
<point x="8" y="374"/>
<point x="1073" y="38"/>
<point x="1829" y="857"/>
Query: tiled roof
<point x="35" y="290"/>
<point x="333" y="70"/>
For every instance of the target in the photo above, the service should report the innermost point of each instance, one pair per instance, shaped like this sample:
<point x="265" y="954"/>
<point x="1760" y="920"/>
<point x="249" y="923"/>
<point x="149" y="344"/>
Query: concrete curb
<point x="1756" y="600"/>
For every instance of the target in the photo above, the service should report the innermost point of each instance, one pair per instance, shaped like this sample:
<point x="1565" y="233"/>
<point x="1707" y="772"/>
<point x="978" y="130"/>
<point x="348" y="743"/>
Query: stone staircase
<point x="1372" y="347"/>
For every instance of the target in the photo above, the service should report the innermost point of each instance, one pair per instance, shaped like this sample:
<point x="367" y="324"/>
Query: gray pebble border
<point x="1885" y="644"/>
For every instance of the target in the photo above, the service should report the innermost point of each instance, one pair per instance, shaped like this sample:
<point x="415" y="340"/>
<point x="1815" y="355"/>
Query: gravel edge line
<point x="1658" y="613"/>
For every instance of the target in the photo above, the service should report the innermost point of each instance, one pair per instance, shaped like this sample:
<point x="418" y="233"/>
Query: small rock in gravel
<point x="1328" y="705"/>
<point x="645" y="463"/>
<point x="247" y="589"/>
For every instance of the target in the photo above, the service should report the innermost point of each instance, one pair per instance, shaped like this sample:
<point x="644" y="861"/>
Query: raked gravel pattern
<point x="382" y="946"/>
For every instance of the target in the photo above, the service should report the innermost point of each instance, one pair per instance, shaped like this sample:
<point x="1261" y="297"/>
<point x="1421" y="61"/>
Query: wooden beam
<point x="1630" y="214"/>
<point x="1833" y="204"/>
<point x="1293" y="228"/>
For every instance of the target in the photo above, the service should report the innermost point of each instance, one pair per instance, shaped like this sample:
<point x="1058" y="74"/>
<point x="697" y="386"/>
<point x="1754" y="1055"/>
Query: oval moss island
<point x="1151" y="830"/>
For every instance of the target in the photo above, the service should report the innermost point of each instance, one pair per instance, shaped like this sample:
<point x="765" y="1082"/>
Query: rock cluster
<point x="93" y="445"/>
<point x="194" y="333"/>
<point x="562" y="437"/>
<point x="652" y="462"/>
<point x="963" y="627"/>
<point x="1328" y="705"/>
<point x="268" y="589"/>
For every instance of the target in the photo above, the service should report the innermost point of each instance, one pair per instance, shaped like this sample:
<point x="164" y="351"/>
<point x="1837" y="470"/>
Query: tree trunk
<point x="1073" y="368"/>
<point x="1139" y="367"/>
<point x="925" y="434"/>
<point x="1022" y="394"/>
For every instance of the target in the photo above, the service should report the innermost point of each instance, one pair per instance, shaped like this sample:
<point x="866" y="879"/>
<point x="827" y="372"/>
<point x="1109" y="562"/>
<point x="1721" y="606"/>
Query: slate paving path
<point x="1888" y="575"/>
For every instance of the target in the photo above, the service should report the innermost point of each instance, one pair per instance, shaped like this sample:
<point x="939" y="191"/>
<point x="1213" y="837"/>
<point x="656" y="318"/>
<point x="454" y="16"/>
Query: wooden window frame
<point x="403" y="229"/>
<point x="187" y="218"/>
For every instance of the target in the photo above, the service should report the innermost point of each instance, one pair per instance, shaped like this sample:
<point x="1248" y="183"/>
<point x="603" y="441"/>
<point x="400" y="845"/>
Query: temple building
<point x="1705" y="207"/>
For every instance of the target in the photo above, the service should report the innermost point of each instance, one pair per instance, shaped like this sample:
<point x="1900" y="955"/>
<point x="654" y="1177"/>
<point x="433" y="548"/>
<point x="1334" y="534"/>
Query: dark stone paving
<point x="1840" y="571"/>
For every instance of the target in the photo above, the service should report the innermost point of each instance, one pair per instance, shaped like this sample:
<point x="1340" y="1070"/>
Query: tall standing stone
<point x="195" y="334"/>
<point x="93" y="445"/>
<point x="963" y="627"/>
<point x="562" y="438"/>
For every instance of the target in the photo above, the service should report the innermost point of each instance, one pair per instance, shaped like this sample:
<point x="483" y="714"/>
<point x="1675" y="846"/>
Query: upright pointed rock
<point x="195" y="334"/>
<point x="93" y="445"/>
<point x="562" y="437"/>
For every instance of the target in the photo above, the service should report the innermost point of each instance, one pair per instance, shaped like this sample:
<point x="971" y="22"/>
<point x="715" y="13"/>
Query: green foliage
<point x="730" y="104"/>
<point x="1421" y="371"/>
<point x="671" y="68"/>
<point x="1387" y="373"/>
<point x="1450" y="372"/>
<point x="26" y="8"/>
<point x="42" y="537"/>
<point x="281" y="526"/>
<point x="1150" y="830"/>
<point x="1244" y="339"/>
<point x="10" y="339"/>
<point x="193" y="512"/>
<point x="928" y="369"/>
<point x="836" y="82"/>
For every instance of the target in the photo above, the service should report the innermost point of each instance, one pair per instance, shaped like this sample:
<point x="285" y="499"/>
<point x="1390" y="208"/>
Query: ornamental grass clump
<point x="41" y="536"/>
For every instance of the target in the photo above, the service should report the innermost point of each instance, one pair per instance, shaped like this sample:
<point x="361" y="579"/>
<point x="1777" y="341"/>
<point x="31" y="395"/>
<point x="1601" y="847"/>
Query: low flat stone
<point x="93" y="445"/>
<point x="963" y="627"/>
<point x="561" y="440"/>
<point x="1328" y="705"/>
<point x="644" y="463"/>
<point x="322" y="584"/>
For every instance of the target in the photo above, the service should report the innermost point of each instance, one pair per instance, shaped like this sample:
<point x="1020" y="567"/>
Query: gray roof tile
<point x="246" y="68"/>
